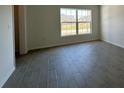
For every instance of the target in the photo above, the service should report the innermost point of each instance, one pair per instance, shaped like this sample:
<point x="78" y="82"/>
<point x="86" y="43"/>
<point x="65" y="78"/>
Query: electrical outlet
<point x="8" y="26"/>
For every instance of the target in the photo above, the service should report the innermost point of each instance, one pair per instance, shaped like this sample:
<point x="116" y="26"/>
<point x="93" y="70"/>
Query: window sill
<point x="85" y="34"/>
<point x="69" y="36"/>
<point x="76" y="35"/>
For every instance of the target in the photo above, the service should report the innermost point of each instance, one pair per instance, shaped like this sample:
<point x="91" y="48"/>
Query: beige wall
<point x="43" y="26"/>
<point x="7" y="64"/>
<point x="112" y="24"/>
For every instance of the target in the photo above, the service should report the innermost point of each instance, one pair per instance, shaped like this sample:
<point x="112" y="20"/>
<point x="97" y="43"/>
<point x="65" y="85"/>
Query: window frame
<point x="77" y="29"/>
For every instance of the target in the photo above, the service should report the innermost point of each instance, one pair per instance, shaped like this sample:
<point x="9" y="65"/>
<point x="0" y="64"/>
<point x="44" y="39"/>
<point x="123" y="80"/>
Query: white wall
<point x="112" y="24"/>
<point x="7" y="64"/>
<point x="43" y="26"/>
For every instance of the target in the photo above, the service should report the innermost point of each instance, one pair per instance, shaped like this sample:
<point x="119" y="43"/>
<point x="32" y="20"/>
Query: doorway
<point x="16" y="27"/>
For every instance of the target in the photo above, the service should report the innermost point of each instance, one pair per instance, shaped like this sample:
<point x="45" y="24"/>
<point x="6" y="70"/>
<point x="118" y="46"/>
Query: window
<point x="75" y="21"/>
<point x="68" y="22"/>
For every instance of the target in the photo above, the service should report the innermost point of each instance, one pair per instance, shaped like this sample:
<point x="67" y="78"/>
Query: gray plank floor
<point x="92" y="64"/>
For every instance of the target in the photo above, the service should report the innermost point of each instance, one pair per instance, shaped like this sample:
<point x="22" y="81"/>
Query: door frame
<point x="22" y="30"/>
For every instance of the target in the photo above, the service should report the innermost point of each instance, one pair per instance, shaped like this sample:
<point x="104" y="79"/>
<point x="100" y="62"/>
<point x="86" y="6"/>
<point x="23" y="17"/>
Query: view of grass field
<point x="70" y="28"/>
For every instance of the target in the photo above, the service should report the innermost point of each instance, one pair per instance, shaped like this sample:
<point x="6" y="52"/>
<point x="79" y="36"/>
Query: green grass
<point x="72" y="26"/>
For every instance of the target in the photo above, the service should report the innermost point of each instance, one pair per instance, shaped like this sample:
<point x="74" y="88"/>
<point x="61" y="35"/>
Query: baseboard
<point x="6" y="77"/>
<point x="61" y="44"/>
<point x="114" y="44"/>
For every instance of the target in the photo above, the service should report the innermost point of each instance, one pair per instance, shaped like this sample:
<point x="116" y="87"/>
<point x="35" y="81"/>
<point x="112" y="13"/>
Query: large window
<point x="75" y="21"/>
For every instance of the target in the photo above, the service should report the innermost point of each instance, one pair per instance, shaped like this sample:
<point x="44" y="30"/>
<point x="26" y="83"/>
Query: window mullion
<point x="76" y="21"/>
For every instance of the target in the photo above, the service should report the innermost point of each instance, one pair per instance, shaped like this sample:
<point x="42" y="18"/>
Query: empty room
<point x="62" y="46"/>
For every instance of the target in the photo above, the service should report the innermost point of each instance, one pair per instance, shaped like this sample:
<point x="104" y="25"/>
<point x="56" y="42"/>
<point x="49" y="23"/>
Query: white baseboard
<point x="114" y="44"/>
<point x="60" y="44"/>
<point x="6" y="77"/>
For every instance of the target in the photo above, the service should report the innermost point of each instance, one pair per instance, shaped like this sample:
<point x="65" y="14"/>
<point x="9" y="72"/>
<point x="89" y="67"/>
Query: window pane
<point x="68" y="15"/>
<point x="84" y="28"/>
<point x="68" y="29"/>
<point x="68" y="22"/>
<point x="84" y="21"/>
<point x="81" y="15"/>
